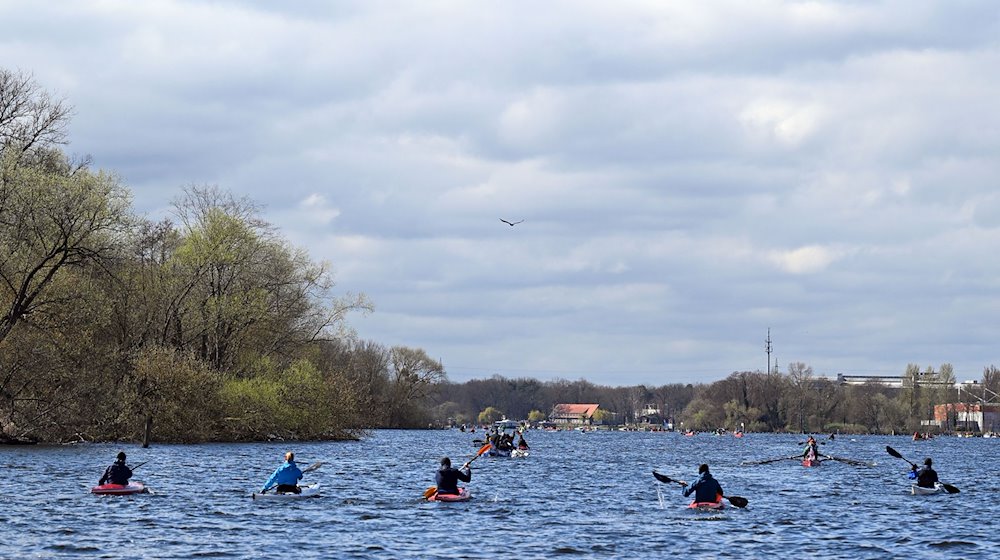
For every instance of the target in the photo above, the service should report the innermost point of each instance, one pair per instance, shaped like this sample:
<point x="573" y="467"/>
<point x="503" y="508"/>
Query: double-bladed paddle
<point x="431" y="490"/>
<point x="766" y="461"/>
<point x="312" y="467"/>
<point x="736" y="501"/>
<point x="847" y="461"/>
<point x="947" y="487"/>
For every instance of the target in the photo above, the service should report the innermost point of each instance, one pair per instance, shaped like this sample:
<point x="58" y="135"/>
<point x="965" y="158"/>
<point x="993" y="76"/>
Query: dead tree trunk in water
<point x="147" y="430"/>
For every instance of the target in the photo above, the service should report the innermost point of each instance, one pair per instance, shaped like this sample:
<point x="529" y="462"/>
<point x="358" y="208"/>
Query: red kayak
<point x="119" y="489"/>
<point x="464" y="495"/>
<point x="707" y="505"/>
<point x="810" y="462"/>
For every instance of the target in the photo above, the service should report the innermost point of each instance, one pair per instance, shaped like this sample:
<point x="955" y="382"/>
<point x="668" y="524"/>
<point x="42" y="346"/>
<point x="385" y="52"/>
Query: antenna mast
<point x="767" y="348"/>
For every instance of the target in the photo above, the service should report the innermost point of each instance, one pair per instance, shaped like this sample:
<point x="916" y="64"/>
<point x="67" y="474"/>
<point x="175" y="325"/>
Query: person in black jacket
<point x="447" y="477"/>
<point x="706" y="489"/>
<point x="117" y="473"/>
<point x="926" y="476"/>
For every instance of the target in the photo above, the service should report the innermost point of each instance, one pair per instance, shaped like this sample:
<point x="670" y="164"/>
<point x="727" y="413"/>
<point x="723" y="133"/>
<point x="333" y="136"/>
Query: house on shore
<point x="576" y="414"/>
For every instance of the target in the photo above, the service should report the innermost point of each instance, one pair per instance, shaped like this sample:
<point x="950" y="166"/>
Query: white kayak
<point x="308" y="491"/>
<point x="519" y="453"/>
<point x="921" y="491"/>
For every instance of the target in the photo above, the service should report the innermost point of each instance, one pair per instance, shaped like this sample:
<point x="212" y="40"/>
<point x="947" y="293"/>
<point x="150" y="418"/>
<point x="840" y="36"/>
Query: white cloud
<point x="805" y="260"/>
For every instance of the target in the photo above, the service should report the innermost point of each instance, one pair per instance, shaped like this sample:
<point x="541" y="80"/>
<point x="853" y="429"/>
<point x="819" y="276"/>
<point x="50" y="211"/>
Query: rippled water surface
<point x="578" y="495"/>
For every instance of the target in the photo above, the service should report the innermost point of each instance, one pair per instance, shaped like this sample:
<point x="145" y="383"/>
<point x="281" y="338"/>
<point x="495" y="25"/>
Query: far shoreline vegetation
<point x="211" y="326"/>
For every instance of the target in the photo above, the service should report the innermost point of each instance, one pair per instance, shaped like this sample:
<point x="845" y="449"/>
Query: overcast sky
<point x="689" y="174"/>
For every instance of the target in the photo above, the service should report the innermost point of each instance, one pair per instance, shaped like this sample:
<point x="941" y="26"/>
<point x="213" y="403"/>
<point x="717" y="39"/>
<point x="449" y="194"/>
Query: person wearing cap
<point x="117" y="473"/>
<point x="926" y="476"/>
<point x="285" y="478"/>
<point x="447" y="478"/>
<point x="706" y="488"/>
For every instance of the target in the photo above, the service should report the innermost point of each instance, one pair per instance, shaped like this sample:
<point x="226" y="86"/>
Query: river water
<point x="578" y="495"/>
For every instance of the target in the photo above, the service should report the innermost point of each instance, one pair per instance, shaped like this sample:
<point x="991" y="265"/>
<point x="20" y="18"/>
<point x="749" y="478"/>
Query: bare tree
<point x="31" y="120"/>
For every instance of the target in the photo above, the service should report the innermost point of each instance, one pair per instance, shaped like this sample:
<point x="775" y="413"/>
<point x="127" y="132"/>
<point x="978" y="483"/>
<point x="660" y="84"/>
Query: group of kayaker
<point x="284" y="479"/>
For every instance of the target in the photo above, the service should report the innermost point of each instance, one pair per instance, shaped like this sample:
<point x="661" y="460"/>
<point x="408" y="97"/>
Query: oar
<point x="847" y="461"/>
<point x="737" y="501"/>
<point x="139" y="465"/>
<point x="766" y="461"/>
<point x="431" y="490"/>
<point x="947" y="487"/>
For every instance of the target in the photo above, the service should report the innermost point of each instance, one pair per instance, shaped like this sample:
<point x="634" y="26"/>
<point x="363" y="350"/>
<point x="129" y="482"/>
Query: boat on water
<point x="308" y="491"/>
<point x="707" y="506"/>
<point x="464" y="495"/>
<point x="922" y="491"/>
<point x="810" y="462"/>
<point x="498" y="452"/>
<point x="119" y="489"/>
<point x="519" y="453"/>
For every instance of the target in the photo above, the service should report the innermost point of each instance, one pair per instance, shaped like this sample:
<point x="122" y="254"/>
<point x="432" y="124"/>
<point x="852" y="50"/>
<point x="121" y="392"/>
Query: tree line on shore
<point x="797" y="401"/>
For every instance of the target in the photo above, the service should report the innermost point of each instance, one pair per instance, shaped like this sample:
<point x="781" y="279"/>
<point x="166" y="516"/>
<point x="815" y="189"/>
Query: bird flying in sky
<point x="511" y="224"/>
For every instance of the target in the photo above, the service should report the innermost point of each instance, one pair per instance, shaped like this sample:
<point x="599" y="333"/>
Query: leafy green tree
<point x="536" y="416"/>
<point x="490" y="415"/>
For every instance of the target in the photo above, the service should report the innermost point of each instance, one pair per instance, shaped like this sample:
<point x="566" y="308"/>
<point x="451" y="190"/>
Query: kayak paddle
<point x="948" y="487"/>
<point x="737" y="501"/>
<point x="431" y="490"/>
<point x="139" y="465"/>
<point x="766" y="461"/>
<point x="847" y="461"/>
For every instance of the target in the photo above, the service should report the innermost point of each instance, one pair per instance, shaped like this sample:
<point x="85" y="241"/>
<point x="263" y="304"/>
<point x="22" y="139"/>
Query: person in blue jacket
<point x="706" y="488"/>
<point x="117" y="473"/>
<point x="447" y="478"/>
<point x="286" y="477"/>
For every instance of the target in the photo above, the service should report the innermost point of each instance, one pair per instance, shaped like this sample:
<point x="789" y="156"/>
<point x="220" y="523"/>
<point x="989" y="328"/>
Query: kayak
<point x="494" y="452"/>
<point x="810" y="462"/>
<point x="464" y="495"/>
<point x="921" y="491"/>
<point x="308" y="491"/>
<point x="119" y="489"/>
<point x="519" y="453"/>
<point x="706" y="506"/>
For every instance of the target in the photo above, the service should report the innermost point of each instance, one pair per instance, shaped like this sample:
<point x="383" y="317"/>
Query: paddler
<point x="117" y="473"/>
<point x="447" y="478"/>
<point x="286" y="477"/>
<point x="706" y="488"/>
<point x="521" y="444"/>
<point x="811" y="452"/>
<point x="926" y="476"/>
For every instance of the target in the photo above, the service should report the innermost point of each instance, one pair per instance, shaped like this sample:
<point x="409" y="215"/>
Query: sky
<point x="689" y="174"/>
